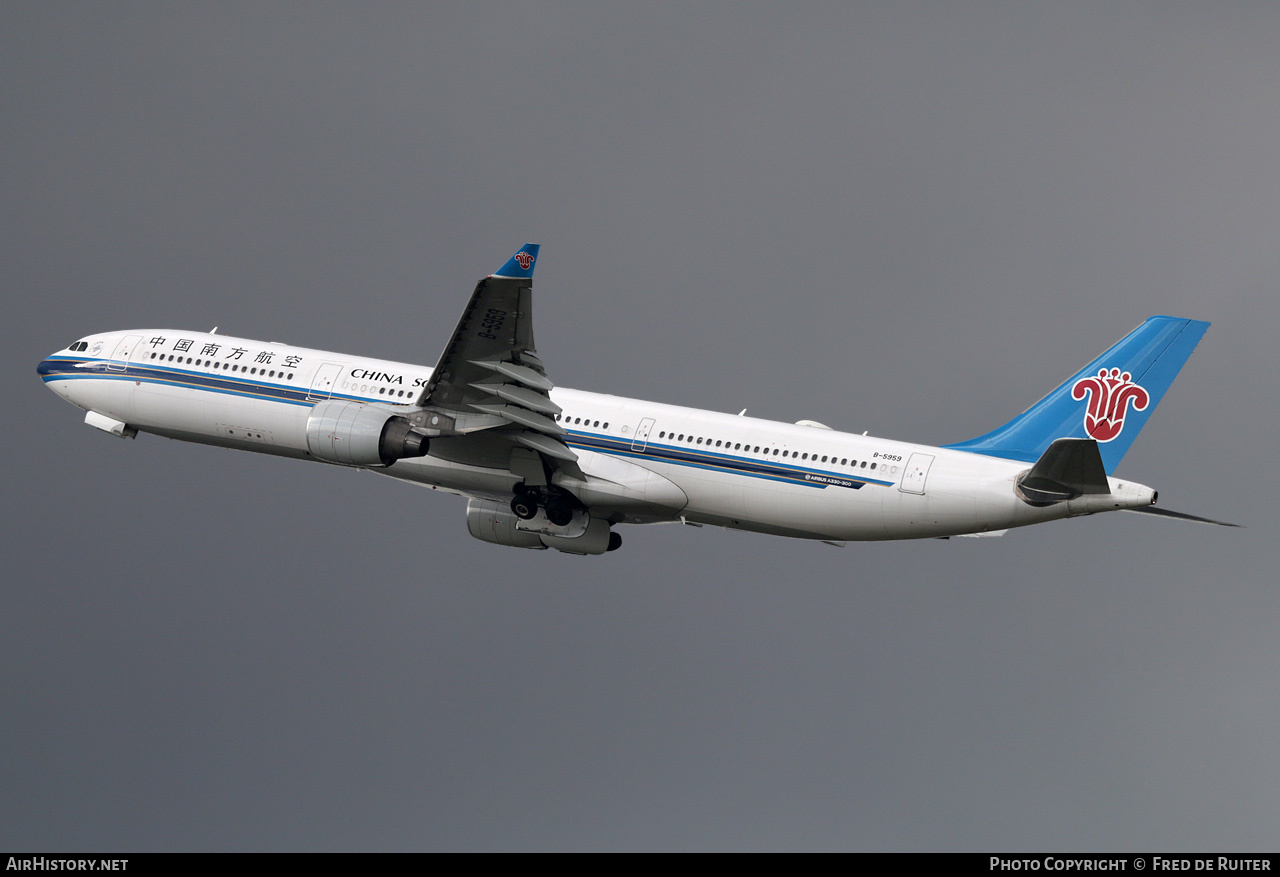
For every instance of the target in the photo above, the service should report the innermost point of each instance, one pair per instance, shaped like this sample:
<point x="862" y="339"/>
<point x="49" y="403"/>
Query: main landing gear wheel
<point x="524" y="505"/>
<point x="615" y="542"/>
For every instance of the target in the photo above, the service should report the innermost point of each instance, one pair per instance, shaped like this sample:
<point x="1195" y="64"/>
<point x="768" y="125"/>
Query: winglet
<point x="520" y="266"/>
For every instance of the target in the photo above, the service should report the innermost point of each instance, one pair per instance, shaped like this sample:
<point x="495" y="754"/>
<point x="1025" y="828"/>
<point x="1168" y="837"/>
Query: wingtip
<point x="520" y="266"/>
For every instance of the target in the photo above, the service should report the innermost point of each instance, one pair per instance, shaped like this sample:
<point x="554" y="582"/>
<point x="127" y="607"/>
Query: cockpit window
<point x="79" y="346"/>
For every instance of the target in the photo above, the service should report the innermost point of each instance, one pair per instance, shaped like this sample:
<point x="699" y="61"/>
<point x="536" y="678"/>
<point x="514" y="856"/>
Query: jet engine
<point x="356" y="434"/>
<point x="494" y="522"/>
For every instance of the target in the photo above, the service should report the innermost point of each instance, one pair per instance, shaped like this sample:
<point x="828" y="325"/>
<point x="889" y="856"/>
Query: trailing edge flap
<point x="1069" y="468"/>
<point x="489" y="376"/>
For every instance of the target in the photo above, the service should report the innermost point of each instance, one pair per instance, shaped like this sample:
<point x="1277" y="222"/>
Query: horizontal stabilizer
<point x="1069" y="468"/>
<point x="1181" y="516"/>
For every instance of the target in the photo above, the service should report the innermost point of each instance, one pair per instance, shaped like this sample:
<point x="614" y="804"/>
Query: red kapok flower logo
<point x="1109" y="396"/>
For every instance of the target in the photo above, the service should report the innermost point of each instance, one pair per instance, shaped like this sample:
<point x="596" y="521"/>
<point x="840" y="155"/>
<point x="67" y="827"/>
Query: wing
<point x="490" y="378"/>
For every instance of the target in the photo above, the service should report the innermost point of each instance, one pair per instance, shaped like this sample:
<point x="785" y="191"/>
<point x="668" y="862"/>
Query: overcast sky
<point x="908" y="218"/>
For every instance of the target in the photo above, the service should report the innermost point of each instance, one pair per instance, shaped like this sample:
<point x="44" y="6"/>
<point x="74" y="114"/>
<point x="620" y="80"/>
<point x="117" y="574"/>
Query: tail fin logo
<point x="523" y="259"/>
<point x="1109" y="396"/>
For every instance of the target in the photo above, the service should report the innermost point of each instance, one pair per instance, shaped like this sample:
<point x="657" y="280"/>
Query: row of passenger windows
<point x="732" y="446"/>
<point x="382" y="391"/>
<point x="767" y="452"/>
<point x="576" y="421"/>
<point x="213" y="363"/>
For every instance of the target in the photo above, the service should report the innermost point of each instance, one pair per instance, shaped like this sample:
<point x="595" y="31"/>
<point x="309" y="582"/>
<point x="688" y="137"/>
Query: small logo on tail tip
<point x="1109" y="396"/>
<point x="523" y="259"/>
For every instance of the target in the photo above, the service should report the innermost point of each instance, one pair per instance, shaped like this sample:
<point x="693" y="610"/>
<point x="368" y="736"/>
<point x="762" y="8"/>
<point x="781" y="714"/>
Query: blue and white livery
<point x="548" y="467"/>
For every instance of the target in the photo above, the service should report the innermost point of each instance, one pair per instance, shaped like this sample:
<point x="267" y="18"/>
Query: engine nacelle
<point x="356" y="434"/>
<point x="594" y="541"/>
<point x="494" y="522"/>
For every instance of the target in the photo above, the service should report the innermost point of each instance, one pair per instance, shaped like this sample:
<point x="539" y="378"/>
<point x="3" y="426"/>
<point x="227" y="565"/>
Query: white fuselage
<point x="713" y="468"/>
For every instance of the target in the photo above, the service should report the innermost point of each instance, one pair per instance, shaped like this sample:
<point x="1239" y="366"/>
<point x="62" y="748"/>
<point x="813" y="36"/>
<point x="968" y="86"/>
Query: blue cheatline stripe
<point x="63" y="368"/>
<point x="59" y="368"/>
<point x="721" y="462"/>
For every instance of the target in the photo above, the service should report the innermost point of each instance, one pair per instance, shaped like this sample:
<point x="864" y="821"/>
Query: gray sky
<point x="913" y="219"/>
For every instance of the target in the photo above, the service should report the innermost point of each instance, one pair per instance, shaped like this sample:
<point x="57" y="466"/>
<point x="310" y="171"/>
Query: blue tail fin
<point x="1108" y="400"/>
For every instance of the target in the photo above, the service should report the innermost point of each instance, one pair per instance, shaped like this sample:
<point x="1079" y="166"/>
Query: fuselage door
<point x="322" y="386"/>
<point x="641" y="439"/>
<point x="915" y="473"/>
<point x="120" y="356"/>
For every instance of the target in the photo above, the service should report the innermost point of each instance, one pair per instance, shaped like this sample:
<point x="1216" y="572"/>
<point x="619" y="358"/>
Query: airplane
<point x="545" y="467"/>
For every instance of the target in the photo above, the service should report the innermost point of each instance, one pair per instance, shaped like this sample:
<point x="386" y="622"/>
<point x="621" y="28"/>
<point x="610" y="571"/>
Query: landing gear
<point x="525" y="505"/>
<point x="615" y="542"/>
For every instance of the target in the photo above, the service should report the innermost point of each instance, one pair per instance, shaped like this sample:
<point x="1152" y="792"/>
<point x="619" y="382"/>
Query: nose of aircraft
<point x="55" y="369"/>
<point x="47" y="367"/>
